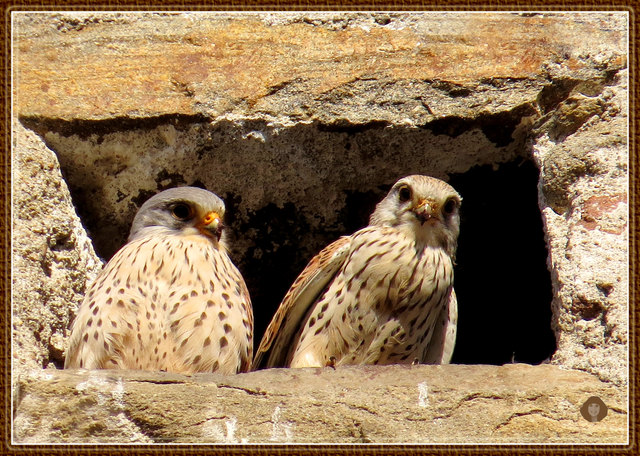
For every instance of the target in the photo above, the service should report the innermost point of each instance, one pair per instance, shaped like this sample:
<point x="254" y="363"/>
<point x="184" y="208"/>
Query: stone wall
<point x="53" y="259"/>
<point x="301" y="121"/>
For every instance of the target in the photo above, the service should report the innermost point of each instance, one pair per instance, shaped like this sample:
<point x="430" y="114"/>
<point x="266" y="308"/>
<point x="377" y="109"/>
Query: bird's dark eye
<point x="182" y="211"/>
<point x="449" y="206"/>
<point x="404" y="193"/>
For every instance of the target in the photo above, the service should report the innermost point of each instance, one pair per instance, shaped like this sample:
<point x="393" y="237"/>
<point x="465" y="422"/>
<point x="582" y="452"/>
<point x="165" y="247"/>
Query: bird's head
<point x="185" y="210"/>
<point x="425" y="206"/>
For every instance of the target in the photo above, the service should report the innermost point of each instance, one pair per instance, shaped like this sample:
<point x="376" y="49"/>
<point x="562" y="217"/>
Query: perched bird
<point x="383" y="295"/>
<point x="170" y="299"/>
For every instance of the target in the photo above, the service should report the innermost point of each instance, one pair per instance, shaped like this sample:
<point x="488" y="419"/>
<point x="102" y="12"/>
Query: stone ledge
<point x="514" y="403"/>
<point x="104" y="66"/>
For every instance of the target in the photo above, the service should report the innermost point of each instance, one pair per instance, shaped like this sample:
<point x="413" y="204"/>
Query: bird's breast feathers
<point x="388" y="256"/>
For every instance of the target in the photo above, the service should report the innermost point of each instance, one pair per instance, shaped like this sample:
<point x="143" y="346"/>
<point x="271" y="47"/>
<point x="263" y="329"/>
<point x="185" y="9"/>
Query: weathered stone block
<point x="53" y="259"/>
<point x="514" y="403"/>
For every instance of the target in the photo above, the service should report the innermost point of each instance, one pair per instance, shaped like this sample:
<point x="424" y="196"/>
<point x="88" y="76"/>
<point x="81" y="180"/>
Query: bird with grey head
<point x="170" y="299"/>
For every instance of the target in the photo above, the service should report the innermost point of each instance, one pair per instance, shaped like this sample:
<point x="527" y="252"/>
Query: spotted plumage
<point x="383" y="295"/>
<point x="170" y="299"/>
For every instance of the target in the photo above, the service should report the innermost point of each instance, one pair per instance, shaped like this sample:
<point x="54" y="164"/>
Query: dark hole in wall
<point x="502" y="282"/>
<point x="56" y="357"/>
<point x="503" y="286"/>
<point x="274" y="262"/>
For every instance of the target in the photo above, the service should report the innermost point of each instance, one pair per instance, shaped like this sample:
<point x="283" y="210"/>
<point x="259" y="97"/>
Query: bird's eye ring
<point x="449" y="206"/>
<point x="182" y="211"/>
<point x="404" y="193"/>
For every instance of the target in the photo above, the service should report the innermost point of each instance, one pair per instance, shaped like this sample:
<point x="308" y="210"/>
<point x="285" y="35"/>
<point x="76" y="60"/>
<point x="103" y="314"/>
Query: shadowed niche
<point x="501" y="278"/>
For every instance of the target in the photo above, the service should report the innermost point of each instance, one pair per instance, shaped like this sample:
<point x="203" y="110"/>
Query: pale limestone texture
<point x="584" y="202"/>
<point x="514" y="403"/>
<point x="53" y="259"/>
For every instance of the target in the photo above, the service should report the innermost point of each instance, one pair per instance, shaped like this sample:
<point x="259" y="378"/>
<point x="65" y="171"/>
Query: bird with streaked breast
<point x="170" y="299"/>
<point x="383" y="295"/>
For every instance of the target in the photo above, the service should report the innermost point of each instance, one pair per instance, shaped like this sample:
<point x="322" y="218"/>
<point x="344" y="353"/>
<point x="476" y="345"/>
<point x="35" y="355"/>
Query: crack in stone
<point x="246" y="390"/>
<point x="518" y="414"/>
<point x="358" y="407"/>
<point x="466" y="399"/>
<point x="618" y="410"/>
<point x="283" y="85"/>
<point x="159" y="382"/>
<point x="473" y="396"/>
<point x="211" y="418"/>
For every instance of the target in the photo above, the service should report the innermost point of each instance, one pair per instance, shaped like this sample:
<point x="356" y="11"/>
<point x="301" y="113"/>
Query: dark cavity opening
<point x="501" y="278"/>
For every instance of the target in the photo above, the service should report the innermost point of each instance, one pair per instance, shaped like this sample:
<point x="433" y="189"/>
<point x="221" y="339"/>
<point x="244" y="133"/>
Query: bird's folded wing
<point x="443" y="339"/>
<point x="301" y="296"/>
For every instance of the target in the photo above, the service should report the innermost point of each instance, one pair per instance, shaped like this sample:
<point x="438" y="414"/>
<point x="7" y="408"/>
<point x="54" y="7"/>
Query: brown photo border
<point x="313" y="5"/>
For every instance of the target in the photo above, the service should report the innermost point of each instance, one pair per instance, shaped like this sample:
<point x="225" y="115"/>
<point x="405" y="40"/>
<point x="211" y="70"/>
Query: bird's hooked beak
<point x="426" y="210"/>
<point x="211" y="225"/>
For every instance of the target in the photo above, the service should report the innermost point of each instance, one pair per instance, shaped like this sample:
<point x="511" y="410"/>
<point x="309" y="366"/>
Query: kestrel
<point x="383" y="295"/>
<point x="170" y="299"/>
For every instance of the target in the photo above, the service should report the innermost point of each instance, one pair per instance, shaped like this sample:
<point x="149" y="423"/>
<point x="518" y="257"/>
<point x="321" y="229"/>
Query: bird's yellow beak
<point x="211" y="224"/>
<point x="425" y="210"/>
